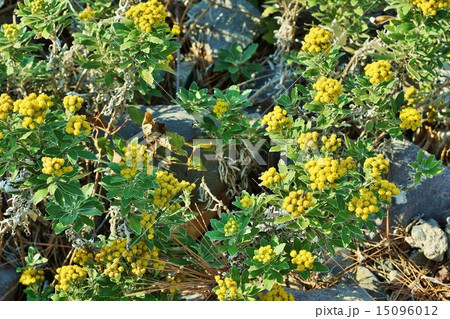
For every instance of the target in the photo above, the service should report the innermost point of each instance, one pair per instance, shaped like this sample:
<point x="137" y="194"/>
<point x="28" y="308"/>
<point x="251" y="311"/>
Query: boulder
<point x="430" y="239"/>
<point x="369" y="282"/>
<point x="9" y="280"/>
<point x="219" y="26"/>
<point x="418" y="257"/>
<point x="340" y="292"/>
<point x="430" y="197"/>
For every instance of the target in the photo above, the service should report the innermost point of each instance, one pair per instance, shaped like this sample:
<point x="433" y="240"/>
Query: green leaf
<point x="411" y="70"/>
<point x="284" y="219"/>
<point x="163" y="67"/>
<point x="177" y="142"/>
<point x="268" y="281"/>
<point x="40" y="195"/>
<point x="87" y="155"/>
<point x="52" y="151"/>
<point x="249" y="52"/>
<point x="147" y="76"/>
<point x="68" y="219"/>
<point x="417" y="177"/>
<point x="135" y="224"/>
<point x="345" y="235"/>
<point x="305" y="274"/>
<point x="70" y="189"/>
<point x="136" y="115"/>
<point x="89" y="211"/>
<point x="279" y="249"/>
<point x="91" y="65"/>
<point x="59" y="197"/>
<point x="109" y="78"/>
<point x="232" y="250"/>
<point x="216" y="235"/>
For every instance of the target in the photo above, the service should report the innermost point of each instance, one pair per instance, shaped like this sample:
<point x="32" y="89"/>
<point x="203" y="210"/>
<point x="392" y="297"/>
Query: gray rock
<point x="429" y="198"/>
<point x="338" y="263"/>
<point x="430" y="239"/>
<point x="175" y="118"/>
<point x="340" y="292"/>
<point x="220" y="27"/>
<point x="419" y="258"/>
<point x="9" y="280"/>
<point x="370" y="282"/>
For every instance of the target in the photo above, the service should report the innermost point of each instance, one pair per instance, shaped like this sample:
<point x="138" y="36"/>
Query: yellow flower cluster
<point x="6" y="105"/>
<point x="231" y="227"/>
<point x="430" y="6"/>
<point x="226" y="289"/>
<point x="55" y="165"/>
<point x="1" y="137"/>
<point x="36" y="6"/>
<point x="347" y="164"/>
<point x="86" y="14"/>
<point x="271" y="176"/>
<point x="220" y="107"/>
<point x="169" y="187"/>
<point x="365" y="204"/>
<point x="385" y="189"/>
<point x="331" y="143"/>
<point x="33" y="107"/>
<point x="378" y="165"/>
<point x="11" y="31"/>
<point x="246" y="201"/>
<point x="31" y="276"/>
<point x="82" y="256"/>
<point x="265" y="254"/>
<point x="146" y="14"/>
<point x="70" y="275"/>
<point x="410" y="95"/>
<point x="411" y="118"/>
<point x="78" y="124"/>
<point x="303" y="259"/>
<point x="147" y="222"/>
<point x="323" y="170"/>
<point x="72" y="103"/>
<point x="379" y="71"/>
<point x="327" y="90"/>
<point x="276" y="120"/>
<point x="135" y="158"/>
<point x="139" y="257"/>
<point x="297" y="202"/>
<point x="308" y="140"/>
<point x="277" y="293"/>
<point x="317" y="40"/>
<point x="175" y="29"/>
